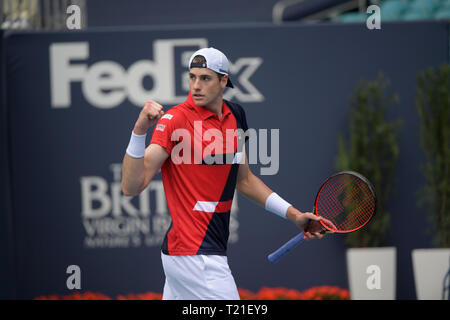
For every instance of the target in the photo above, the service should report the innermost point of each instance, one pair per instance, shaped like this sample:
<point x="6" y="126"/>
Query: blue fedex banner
<point x="107" y="84"/>
<point x="72" y="100"/>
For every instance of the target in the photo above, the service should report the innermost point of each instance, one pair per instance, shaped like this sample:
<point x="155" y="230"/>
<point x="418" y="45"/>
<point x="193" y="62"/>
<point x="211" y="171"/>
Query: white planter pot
<point x="372" y="273"/>
<point x="430" y="267"/>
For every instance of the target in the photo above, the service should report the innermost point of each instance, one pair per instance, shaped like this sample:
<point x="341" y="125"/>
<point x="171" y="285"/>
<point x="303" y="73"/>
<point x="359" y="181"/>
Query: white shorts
<point x="198" y="277"/>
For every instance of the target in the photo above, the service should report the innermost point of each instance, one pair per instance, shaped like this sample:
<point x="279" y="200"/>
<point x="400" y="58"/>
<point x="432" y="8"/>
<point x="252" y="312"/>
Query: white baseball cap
<point x="215" y="61"/>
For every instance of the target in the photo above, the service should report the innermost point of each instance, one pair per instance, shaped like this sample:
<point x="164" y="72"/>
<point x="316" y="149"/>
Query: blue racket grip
<point x="274" y="257"/>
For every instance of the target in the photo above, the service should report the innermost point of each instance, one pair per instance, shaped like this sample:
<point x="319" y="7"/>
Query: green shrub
<point x="371" y="150"/>
<point x="433" y="105"/>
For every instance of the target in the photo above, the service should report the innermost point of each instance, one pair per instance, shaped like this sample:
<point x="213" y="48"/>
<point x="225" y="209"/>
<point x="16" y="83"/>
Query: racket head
<point x="348" y="200"/>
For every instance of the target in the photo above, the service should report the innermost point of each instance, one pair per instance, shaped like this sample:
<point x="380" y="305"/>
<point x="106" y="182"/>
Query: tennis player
<point x="199" y="185"/>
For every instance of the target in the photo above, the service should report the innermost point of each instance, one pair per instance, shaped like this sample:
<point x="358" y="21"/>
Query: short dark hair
<point x="201" y="59"/>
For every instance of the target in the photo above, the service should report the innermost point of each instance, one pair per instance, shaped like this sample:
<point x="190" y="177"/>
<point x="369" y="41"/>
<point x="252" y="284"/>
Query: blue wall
<point x="301" y="80"/>
<point x="107" y="13"/>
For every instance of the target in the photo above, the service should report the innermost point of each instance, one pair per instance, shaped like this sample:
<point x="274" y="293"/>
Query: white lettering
<point x="103" y="84"/>
<point x="74" y="280"/>
<point x="107" y="84"/>
<point x="274" y="159"/>
<point x="374" y="280"/>
<point x="193" y="310"/>
<point x="94" y="189"/>
<point x="113" y="220"/>
<point x="374" y="21"/>
<point x="213" y="152"/>
<point x="62" y="73"/>
<point x="181" y="152"/>
<point x="74" y="20"/>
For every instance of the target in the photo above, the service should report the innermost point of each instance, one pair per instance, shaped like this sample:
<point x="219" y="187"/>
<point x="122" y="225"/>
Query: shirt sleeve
<point x="162" y="132"/>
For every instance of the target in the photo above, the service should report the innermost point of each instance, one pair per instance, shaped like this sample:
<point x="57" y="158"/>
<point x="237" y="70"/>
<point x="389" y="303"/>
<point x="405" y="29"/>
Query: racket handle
<point x="285" y="248"/>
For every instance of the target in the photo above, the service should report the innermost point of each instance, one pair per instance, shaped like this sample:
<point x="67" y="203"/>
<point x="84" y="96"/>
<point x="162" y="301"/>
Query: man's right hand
<point x="149" y="116"/>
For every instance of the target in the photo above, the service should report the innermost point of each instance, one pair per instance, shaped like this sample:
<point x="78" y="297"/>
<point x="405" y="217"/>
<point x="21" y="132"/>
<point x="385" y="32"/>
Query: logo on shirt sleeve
<point x="160" y="127"/>
<point x="167" y="116"/>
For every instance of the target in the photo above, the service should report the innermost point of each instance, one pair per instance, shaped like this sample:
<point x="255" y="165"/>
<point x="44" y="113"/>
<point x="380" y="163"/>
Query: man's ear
<point x="224" y="81"/>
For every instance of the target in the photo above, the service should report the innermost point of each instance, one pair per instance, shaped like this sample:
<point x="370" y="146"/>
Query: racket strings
<point x="346" y="201"/>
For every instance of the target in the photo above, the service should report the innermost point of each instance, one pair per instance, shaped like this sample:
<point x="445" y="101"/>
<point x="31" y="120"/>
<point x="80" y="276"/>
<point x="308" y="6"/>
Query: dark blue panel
<point x="6" y="250"/>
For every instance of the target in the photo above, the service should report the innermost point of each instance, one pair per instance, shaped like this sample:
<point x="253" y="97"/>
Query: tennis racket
<point x="347" y="199"/>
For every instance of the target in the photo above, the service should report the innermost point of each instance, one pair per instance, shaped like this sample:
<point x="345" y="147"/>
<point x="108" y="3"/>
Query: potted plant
<point x="371" y="150"/>
<point x="433" y="105"/>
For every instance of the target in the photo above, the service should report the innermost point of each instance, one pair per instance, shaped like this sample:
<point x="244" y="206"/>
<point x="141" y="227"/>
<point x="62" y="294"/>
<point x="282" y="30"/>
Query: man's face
<point x="206" y="87"/>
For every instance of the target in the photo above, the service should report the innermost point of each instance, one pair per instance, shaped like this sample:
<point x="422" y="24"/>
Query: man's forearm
<point x="253" y="188"/>
<point x="132" y="175"/>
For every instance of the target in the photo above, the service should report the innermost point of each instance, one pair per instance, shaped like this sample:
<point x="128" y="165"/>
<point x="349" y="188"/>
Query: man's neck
<point x="216" y="108"/>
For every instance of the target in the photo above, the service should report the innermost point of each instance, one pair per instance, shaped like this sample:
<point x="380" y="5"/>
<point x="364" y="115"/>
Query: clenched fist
<point x="149" y="116"/>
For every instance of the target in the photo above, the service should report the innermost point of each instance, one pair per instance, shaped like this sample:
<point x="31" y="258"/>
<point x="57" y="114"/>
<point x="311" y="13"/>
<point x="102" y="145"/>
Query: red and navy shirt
<point x="199" y="186"/>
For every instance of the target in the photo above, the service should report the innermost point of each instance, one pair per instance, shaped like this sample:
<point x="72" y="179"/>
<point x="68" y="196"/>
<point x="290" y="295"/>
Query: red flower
<point x="325" y="293"/>
<point x="265" y="293"/>
<point x="279" y="293"/>
<point x="245" y="294"/>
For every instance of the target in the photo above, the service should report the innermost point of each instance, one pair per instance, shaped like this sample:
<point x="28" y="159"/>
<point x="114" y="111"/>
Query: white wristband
<point x="277" y="205"/>
<point x="136" y="146"/>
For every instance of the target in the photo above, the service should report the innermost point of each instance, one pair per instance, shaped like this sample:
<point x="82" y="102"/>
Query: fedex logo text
<point x="106" y="84"/>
